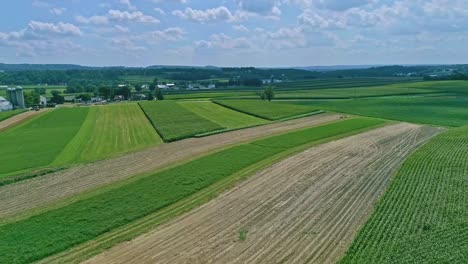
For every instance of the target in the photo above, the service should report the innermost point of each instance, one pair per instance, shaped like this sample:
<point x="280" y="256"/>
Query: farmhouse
<point x="5" y="105"/>
<point x="42" y="101"/>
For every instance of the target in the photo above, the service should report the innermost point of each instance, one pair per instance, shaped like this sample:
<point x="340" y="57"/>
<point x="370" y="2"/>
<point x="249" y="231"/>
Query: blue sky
<point x="266" y="33"/>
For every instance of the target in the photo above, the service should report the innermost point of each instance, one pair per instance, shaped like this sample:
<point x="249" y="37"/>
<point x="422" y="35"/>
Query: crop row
<point x="423" y="217"/>
<point x="57" y="230"/>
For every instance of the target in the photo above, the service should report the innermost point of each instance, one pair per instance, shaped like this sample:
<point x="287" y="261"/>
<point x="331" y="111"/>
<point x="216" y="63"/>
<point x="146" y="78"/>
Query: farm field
<point x="272" y="218"/>
<point x="267" y="110"/>
<point x="109" y="131"/>
<point x="8" y="114"/>
<point x="37" y="142"/>
<point x="331" y="83"/>
<point x="56" y="230"/>
<point x="16" y="117"/>
<point x="25" y="196"/>
<point x="174" y="122"/>
<point x="436" y="110"/>
<point x="208" y="95"/>
<point x="422" y="218"/>
<point x="222" y="116"/>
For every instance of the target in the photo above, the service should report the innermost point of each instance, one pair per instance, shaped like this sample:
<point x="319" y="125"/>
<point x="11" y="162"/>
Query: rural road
<point x="306" y="208"/>
<point x="19" y="118"/>
<point x="51" y="188"/>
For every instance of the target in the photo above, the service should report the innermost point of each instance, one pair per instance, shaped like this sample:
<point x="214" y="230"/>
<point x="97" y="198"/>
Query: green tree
<point x="267" y="94"/>
<point x="155" y="81"/>
<point x="31" y="98"/>
<point x="159" y="94"/>
<point x="57" y="98"/>
<point x="138" y="87"/>
<point x="84" y="97"/>
<point x="150" y="97"/>
<point x="152" y="87"/>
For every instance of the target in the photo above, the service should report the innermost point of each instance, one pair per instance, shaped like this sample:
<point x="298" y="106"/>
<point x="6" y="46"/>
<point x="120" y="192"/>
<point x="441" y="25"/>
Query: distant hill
<point x="335" y="67"/>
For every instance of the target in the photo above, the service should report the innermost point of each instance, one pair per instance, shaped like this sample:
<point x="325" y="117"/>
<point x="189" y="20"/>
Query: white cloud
<point x="241" y="28"/>
<point x="169" y="34"/>
<point x="97" y="20"/>
<point x="217" y="14"/>
<point x="118" y="16"/>
<point x="59" y="28"/>
<point x="223" y="41"/>
<point x="159" y="11"/>
<point x="126" y="45"/>
<point x="136" y="16"/>
<point x="128" y="4"/>
<point x="57" y="11"/>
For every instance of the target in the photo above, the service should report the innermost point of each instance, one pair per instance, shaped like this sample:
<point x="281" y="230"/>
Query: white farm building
<point x="5" y="105"/>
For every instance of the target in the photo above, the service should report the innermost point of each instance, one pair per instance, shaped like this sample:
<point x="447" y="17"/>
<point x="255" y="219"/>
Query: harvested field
<point x="19" y="118"/>
<point x="54" y="187"/>
<point x="306" y="208"/>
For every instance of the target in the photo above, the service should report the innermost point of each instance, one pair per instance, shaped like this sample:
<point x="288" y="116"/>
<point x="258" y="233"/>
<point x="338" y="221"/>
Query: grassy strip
<point x="125" y="233"/>
<point x="54" y="231"/>
<point x="266" y="110"/>
<point x="423" y="216"/>
<point x="7" y="114"/>
<point x="28" y="176"/>
<point x="174" y="122"/>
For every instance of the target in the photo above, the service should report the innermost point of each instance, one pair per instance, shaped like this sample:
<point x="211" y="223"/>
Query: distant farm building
<point x="5" y="105"/>
<point x="42" y="101"/>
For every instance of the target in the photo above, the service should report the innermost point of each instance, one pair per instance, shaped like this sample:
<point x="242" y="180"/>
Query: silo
<point x="20" y="97"/>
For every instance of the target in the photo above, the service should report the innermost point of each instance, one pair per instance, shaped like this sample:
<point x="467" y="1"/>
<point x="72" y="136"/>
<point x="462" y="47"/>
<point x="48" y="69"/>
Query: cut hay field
<point x="222" y="116"/>
<point x="267" y="110"/>
<point x="68" y="136"/>
<point x="37" y="142"/>
<point x="423" y="217"/>
<point x="174" y="122"/>
<point x="57" y="230"/>
<point x="436" y="110"/>
<point x="109" y="131"/>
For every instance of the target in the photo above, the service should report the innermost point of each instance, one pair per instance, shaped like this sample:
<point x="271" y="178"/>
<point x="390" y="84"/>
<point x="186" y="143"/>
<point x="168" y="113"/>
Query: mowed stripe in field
<point x="110" y="131"/>
<point x="306" y="208"/>
<point x="51" y="188"/>
<point x="13" y="118"/>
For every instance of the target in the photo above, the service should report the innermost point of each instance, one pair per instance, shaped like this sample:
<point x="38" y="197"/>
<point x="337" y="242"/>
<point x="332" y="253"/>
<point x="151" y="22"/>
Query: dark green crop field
<point x="174" y="122"/>
<point x="423" y="217"/>
<point x="57" y="230"/>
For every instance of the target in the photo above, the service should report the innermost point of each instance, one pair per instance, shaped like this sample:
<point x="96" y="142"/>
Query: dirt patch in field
<point x="304" y="209"/>
<point x="19" y="118"/>
<point x="50" y="188"/>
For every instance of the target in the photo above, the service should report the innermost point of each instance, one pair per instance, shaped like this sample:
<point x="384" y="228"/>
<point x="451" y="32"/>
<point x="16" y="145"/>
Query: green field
<point x="436" y="110"/>
<point x="423" y="217"/>
<point x="54" y="231"/>
<point x="7" y="114"/>
<point x="222" y="116"/>
<point x="109" y="131"/>
<point x="331" y="83"/>
<point x="39" y="141"/>
<point x="265" y="109"/>
<point x="174" y="122"/>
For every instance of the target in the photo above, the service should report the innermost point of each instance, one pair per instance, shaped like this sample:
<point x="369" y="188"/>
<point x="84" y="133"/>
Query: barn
<point x="5" y="105"/>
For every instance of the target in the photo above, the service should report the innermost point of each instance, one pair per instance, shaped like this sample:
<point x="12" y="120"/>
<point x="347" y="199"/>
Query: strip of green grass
<point x="174" y="122"/>
<point x="7" y="114"/>
<point x="222" y="116"/>
<point x="423" y="217"/>
<point x="436" y="110"/>
<point x="54" y="231"/>
<point x="109" y="131"/>
<point x="38" y="141"/>
<point x="265" y="109"/>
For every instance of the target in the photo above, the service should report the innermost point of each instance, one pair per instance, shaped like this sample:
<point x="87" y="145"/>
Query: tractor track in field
<point x="19" y="118"/>
<point x="54" y="187"/>
<point x="304" y="209"/>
